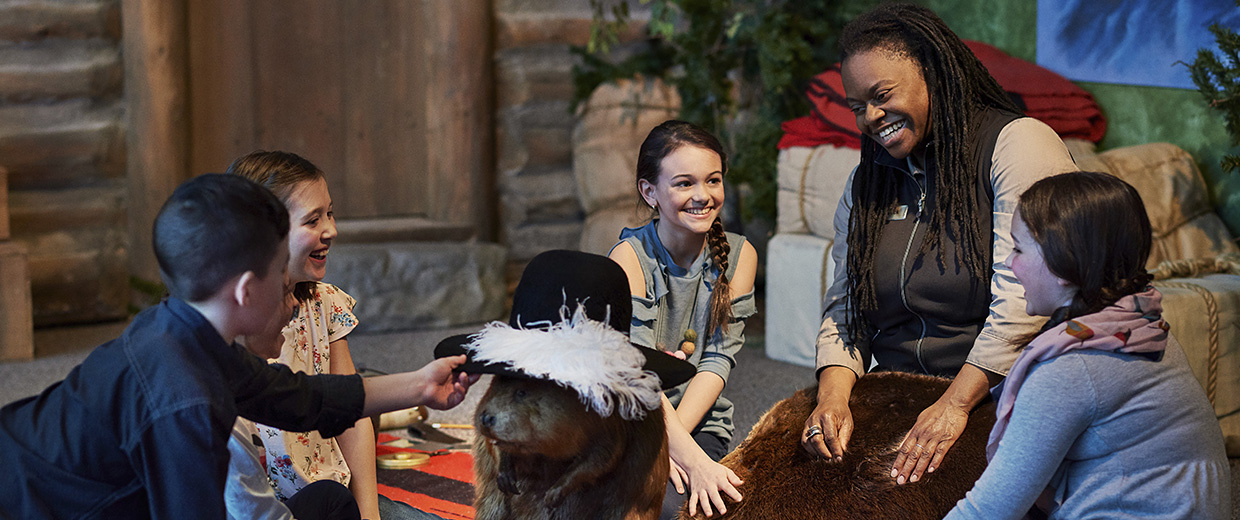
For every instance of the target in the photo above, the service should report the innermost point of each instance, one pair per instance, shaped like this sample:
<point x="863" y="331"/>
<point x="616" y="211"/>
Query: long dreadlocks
<point x="960" y="90"/>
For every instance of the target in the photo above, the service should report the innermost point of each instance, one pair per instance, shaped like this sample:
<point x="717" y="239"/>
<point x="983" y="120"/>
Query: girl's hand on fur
<point x="442" y="389"/>
<point x="678" y="476"/>
<point x="706" y="482"/>
<point x="922" y="450"/>
<point x="833" y="419"/>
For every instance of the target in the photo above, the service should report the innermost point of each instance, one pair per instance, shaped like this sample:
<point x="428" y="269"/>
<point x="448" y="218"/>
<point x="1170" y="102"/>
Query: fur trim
<point x="580" y="354"/>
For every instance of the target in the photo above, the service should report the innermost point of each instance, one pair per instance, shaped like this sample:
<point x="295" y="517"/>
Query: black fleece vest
<point x="928" y="317"/>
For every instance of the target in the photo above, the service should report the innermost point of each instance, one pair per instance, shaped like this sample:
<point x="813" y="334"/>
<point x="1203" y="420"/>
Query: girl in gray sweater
<point x="1100" y="416"/>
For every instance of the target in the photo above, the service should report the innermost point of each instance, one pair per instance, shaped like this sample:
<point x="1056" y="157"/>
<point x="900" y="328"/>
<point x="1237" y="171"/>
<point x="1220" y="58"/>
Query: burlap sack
<point x="1204" y="314"/>
<point x="798" y="273"/>
<point x="609" y="131"/>
<point x="811" y="181"/>
<point x="1184" y="223"/>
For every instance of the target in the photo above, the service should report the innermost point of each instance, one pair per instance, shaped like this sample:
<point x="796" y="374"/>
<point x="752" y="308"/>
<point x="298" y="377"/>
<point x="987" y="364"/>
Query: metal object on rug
<point x="401" y="460"/>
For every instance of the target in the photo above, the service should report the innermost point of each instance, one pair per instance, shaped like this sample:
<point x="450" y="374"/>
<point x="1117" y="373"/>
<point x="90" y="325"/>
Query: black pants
<point x="323" y="500"/>
<point x="715" y="448"/>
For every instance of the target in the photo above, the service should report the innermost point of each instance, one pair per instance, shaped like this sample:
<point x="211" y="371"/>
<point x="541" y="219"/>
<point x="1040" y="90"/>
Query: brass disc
<point x="401" y="460"/>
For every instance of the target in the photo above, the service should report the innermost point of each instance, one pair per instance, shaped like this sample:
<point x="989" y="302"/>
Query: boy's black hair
<point x="215" y="227"/>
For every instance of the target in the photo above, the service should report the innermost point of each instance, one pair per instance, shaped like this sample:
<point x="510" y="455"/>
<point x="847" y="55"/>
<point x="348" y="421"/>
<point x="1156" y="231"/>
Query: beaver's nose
<point x="486" y="420"/>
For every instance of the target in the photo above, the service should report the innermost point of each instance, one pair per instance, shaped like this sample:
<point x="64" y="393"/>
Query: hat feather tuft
<point x="581" y="354"/>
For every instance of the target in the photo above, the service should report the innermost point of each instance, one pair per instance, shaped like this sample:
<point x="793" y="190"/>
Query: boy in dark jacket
<point x="140" y="429"/>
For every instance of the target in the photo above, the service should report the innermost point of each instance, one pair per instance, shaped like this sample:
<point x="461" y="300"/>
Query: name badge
<point x="900" y="213"/>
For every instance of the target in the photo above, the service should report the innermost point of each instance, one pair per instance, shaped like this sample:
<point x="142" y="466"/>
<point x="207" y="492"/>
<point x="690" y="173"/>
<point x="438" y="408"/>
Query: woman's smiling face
<point x="887" y="93"/>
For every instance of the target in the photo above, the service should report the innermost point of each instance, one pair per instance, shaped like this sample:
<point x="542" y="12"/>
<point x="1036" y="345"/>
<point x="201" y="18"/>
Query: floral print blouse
<point x="296" y="459"/>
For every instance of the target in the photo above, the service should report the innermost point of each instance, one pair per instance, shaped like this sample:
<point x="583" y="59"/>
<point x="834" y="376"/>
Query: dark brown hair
<point x="1094" y="233"/>
<point x="215" y="227"/>
<point x="279" y="172"/>
<point x="960" y="89"/>
<point x="661" y="142"/>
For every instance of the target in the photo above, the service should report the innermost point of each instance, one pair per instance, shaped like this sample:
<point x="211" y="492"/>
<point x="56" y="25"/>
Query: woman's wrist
<point x="836" y="383"/>
<point x="969" y="388"/>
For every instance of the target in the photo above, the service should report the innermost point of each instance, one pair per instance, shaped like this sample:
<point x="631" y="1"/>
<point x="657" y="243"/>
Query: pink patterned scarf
<point x="1132" y="325"/>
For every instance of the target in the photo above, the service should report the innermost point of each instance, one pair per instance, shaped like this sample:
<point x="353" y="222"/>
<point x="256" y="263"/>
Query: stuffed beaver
<point x="782" y="480"/>
<point x="572" y="425"/>
<point x="539" y="453"/>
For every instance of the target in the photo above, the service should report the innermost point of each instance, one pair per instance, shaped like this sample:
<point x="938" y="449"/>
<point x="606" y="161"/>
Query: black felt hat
<point x="556" y="287"/>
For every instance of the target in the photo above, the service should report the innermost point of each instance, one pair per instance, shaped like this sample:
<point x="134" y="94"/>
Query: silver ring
<point x="813" y="430"/>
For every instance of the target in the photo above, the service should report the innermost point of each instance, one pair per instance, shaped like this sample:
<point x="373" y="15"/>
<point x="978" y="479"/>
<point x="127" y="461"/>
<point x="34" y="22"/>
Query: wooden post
<point x="16" y="313"/>
<point x="459" y="111"/>
<point x="156" y="72"/>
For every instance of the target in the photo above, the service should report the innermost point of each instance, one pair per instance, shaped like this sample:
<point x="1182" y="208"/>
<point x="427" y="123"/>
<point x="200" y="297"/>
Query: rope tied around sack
<point x="1195" y="267"/>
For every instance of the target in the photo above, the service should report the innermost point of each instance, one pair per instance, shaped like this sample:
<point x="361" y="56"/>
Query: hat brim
<point x="672" y="371"/>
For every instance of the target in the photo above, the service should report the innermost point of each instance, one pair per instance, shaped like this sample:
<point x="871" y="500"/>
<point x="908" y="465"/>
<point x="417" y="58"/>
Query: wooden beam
<point x="459" y="112"/>
<point x="156" y="93"/>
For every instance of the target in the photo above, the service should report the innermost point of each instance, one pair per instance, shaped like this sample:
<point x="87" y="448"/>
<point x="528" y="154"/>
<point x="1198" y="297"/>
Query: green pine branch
<point x="1218" y="80"/>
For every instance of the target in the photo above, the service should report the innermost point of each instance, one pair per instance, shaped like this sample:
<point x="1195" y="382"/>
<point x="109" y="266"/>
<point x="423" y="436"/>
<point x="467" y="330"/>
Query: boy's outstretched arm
<point x="434" y="385"/>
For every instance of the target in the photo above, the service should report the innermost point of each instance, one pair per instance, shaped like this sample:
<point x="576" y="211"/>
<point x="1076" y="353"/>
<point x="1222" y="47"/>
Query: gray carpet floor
<point x="756" y="383"/>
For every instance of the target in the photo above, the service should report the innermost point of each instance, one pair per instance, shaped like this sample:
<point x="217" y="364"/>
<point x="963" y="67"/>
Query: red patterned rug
<point x="444" y="486"/>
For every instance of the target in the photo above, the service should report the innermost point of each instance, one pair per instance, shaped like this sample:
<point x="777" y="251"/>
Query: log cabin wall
<point x="539" y="209"/>
<point x="62" y="140"/>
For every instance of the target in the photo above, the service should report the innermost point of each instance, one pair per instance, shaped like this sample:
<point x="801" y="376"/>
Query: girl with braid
<point x="922" y="230"/>
<point x="692" y="287"/>
<point x="1100" y="415"/>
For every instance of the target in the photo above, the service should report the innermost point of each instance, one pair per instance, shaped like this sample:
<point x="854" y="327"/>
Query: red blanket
<point x="1065" y="107"/>
<point x="444" y="486"/>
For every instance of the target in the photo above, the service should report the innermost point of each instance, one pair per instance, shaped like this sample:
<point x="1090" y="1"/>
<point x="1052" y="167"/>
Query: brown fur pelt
<point x="782" y="480"/>
<point x="539" y="453"/>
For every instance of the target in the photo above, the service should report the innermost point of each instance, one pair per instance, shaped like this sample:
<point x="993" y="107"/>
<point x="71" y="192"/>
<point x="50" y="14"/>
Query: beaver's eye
<point x="520" y="394"/>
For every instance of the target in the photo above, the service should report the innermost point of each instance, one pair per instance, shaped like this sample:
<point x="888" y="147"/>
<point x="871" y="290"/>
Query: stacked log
<point x="62" y="141"/>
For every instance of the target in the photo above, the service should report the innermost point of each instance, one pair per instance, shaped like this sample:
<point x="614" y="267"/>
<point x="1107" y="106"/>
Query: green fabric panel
<point x="1137" y="115"/>
<point x="1010" y="25"/>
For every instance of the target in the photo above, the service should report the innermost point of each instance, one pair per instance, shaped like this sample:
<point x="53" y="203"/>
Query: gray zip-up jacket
<point x="922" y="328"/>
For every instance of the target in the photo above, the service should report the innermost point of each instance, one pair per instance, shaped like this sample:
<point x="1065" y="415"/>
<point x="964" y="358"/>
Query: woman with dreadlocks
<point x="692" y="287"/>
<point x="923" y="229"/>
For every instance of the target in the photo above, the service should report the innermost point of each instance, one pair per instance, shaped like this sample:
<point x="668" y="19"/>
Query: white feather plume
<point x="581" y="354"/>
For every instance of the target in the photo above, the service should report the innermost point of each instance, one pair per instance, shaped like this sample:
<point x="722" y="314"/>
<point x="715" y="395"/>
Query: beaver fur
<point x="782" y="480"/>
<point x="539" y="453"/>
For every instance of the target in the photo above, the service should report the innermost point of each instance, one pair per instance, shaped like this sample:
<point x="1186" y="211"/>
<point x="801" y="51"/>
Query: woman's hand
<point x="938" y="426"/>
<point x="708" y="482"/>
<point x="924" y="446"/>
<point x="830" y="425"/>
<point x="828" y="429"/>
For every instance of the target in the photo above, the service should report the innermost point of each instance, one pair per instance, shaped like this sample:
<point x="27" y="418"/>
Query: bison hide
<point x="784" y="481"/>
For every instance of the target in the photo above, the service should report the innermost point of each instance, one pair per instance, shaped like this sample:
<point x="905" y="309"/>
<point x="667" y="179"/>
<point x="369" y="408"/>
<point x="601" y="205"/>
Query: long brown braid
<point x="720" y="313"/>
<point x="960" y="90"/>
<point x="661" y="142"/>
